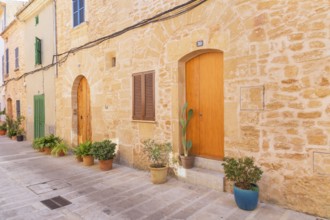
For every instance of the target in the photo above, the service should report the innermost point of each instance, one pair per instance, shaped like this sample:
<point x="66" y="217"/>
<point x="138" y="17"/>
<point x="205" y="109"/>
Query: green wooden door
<point x="39" y="116"/>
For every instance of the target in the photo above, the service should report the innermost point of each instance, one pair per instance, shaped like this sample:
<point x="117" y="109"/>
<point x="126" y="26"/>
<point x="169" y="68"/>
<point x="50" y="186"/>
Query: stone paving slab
<point x="28" y="177"/>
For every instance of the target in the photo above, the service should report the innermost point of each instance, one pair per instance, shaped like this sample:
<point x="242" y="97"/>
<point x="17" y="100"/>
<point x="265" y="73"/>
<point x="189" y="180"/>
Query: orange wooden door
<point x="204" y="94"/>
<point x="84" y="116"/>
<point x="9" y="110"/>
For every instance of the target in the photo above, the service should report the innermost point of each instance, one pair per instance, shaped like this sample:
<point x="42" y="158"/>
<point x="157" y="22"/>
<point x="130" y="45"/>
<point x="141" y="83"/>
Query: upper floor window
<point x="78" y="12"/>
<point x="37" y="48"/>
<point x="7" y="61"/>
<point x="144" y="96"/>
<point x="36" y="20"/>
<point x="16" y="58"/>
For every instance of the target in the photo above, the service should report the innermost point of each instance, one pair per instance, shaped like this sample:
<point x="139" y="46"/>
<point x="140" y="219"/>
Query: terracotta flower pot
<point x="105" y="164"/>
<point x="187" y="162"/>
<point x="79" y="159"/>
<point x="41" y="150"/>
<point x="158" y="175"/>
<point x="61" y="154"/>
<point x="3" y="132"/>
<point x="13" y="138"/>
<point x="47" y="150"/>
<point x="88" y="160"/>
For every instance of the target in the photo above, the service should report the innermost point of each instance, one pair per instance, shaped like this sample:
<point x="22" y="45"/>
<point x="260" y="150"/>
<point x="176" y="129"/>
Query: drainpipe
<point x="56" y="66"/>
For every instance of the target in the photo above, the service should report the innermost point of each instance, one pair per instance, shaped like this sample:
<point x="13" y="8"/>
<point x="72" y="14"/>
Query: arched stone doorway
<point x="201" y="74"/>
<point x="9" y="109"/>
<point x="81" y="110"/>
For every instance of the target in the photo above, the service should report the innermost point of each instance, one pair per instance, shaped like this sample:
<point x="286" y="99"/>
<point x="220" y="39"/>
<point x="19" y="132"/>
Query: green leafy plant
<point x="85" y="148"/>
<point x="13" y="126"/>
<point x="38" y="143"/>
<point x="51" y="141"/>
<point x="3" y="126"/>
<point x="184" y="121"/>
<point x="20" y="131"/>
<point x="242" y="171"/>
<point x="104" y="150"/>
<point x="77" y="151"/>
<point x="157" y="153"/>
<point x="60" y="148"/>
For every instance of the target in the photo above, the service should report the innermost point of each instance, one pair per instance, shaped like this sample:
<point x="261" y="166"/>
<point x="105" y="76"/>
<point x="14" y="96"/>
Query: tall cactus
<point x="184" y="121"/>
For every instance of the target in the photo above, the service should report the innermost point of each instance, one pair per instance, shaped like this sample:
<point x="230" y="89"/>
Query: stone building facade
<point x="30" y="89"/>
<point x="7" y="13"/>
<point x="38" y="19"/>
<point x="14" y="66"/>
<point x="274" y="58"/>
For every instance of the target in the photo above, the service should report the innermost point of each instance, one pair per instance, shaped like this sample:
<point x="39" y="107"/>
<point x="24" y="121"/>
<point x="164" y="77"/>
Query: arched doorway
<point x="83" y="111"/>
<point x="204" y="94"/>
<point x="9" y="110"/>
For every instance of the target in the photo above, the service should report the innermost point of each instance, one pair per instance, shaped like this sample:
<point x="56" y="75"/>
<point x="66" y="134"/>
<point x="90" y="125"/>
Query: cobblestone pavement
<point x="29" y="177"/>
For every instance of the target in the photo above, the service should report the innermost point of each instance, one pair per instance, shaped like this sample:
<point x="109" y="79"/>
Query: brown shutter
<point x="137" y="97"/>
<point x="149" y="96"/>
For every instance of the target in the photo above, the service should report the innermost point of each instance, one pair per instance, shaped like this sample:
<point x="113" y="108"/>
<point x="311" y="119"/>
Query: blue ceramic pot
<point x="246" y="199"/>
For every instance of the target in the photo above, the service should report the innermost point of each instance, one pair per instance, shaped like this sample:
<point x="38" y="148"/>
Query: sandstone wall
<point x="276" y="71"/>
<point x="15" y="89"/>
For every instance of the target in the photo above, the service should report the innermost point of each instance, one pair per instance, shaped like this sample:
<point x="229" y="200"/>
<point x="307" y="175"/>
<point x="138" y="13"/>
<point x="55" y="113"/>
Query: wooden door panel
<point x="211" y="99"/>
<point x="84" y="128"/>
<point x="192" y="97"/>
<point x="204" y="93"/>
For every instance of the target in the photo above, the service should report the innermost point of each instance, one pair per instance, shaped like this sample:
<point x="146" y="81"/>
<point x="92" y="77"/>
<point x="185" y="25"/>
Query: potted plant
<point x="186" y="159"/>
<point x="38" y="144"/>
<point x="12" y="132"/>
<point x="60" y="150"/>
<point x="104" y="151"/>
<point x="158" y="155"/>
<point x="50" y="142"/>
<point x="78" y="152"/>
<point x="20" y="134"/>
<point x="86" y="154"/>
<point x="245" y="176"/>
<point x="3" y="129"/>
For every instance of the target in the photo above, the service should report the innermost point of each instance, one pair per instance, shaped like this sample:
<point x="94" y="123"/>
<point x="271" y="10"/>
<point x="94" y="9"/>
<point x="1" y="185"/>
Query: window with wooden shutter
<point x="16" y="58"/>
<point x="3" y="67"/>
<point x="7" y="61"/>
<point x="37" y="47"/>
<point x="18" y="108"/>
<point x="144" y="96"/>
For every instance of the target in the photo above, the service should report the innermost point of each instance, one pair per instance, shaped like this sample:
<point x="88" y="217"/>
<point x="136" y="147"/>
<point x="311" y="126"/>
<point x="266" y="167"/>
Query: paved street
<point x="29" y="177"/>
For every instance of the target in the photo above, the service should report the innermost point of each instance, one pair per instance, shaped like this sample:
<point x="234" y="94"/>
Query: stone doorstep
<point x="208" y="164"/>
<point x="204" y="177"/>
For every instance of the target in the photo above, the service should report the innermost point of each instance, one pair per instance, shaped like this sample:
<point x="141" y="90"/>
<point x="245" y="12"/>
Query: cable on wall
<point x="168" y="14"/>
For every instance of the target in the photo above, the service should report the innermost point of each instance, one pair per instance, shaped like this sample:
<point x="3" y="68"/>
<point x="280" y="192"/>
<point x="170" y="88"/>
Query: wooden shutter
<point x="16" y="58"/>
<point x="7" y="61"/>
<point x="18" y="108"/>
<point x="144" y="96"/>
<point x="137" y="97"/>
<point x="149" y="96"/>
<point x="37" y="48"/>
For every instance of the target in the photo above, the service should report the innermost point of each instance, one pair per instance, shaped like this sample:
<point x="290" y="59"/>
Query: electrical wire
<point x="168" y="14"/>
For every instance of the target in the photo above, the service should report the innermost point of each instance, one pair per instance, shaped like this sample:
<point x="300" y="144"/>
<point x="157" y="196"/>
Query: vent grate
<point x="56" y="202"/>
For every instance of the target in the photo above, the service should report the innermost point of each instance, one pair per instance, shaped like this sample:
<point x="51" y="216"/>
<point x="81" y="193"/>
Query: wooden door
<point x="9" y="110"/>
<point x="84" y="117"/>
<point x="204" y="94"/>
<point x="39" y="116"/>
